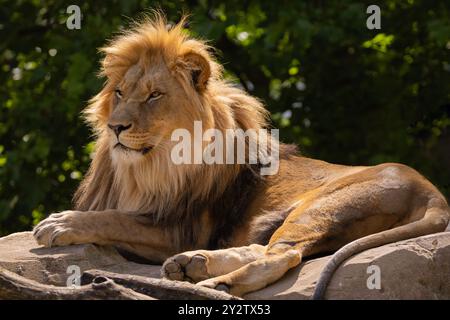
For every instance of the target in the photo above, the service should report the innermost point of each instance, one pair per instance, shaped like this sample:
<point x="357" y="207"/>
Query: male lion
<point x="244" y="230"/>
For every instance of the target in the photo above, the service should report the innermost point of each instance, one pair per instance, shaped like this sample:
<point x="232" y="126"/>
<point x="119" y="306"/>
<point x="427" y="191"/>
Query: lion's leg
<point x="199" y="265"/>
<point x="257" y="274"/>
<point x="289" y="244"/>
<point x="125" y="230"/>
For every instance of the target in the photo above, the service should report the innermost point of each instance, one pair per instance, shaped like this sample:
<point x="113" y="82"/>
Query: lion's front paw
<point x="59" y="229"/>
<point x="188" y="266"/>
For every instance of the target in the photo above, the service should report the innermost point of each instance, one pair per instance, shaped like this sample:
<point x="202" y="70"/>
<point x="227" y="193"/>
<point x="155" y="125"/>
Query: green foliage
<point x="344" y="93"/>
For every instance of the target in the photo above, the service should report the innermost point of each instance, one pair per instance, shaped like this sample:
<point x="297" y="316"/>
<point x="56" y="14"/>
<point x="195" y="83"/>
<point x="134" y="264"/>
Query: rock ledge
<point x="418" y="268"/>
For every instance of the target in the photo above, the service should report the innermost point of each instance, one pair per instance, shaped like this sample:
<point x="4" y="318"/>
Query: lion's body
<point x="243" y="230"/>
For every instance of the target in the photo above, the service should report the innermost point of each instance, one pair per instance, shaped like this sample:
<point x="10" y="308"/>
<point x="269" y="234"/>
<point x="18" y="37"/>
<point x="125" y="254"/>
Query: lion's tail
<point x="434" y="220"/>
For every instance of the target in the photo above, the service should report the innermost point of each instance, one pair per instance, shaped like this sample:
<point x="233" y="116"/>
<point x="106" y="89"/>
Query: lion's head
<point x="158" y="79"/>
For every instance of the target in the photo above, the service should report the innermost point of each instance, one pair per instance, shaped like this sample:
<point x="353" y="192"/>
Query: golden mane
<point x="158" y="185"/>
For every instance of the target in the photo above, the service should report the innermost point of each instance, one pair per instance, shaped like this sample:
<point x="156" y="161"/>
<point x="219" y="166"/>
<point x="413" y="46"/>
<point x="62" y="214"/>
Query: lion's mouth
<point x="144" y="150"/>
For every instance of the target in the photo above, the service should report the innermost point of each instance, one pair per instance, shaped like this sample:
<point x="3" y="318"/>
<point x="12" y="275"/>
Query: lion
<point x="222" y="226"/>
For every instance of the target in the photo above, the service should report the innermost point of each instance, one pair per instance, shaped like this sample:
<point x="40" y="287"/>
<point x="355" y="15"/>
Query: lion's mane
<point x="158" y="186"/>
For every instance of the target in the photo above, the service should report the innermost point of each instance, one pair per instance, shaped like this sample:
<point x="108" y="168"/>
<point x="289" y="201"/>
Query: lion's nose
<point x="118" y="128"/>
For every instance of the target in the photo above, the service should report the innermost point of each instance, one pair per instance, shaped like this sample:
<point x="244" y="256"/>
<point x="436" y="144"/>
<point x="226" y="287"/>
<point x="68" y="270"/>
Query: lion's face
<point x="156" y="82"/>
<point x="147" y="105"/>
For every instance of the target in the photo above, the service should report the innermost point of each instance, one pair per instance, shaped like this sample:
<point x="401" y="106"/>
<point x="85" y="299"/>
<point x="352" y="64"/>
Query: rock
<point x="412" y="269"/>
<point x="20" y="254"/>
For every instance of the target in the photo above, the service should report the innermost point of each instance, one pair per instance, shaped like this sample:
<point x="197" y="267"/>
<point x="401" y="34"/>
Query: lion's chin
<point x="122" y="153"/>
<point x="125" y="148"/>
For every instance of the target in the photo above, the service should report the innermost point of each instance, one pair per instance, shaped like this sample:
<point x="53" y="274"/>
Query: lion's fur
<point x="155" y="184"/>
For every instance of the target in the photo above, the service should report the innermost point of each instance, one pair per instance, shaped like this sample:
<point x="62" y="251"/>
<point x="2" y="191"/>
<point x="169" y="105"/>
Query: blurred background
<point x="342" y="92"/>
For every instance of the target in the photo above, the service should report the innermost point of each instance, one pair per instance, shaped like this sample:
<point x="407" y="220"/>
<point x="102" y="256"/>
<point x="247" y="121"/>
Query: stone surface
<point x="413" y="269"/>
<point x="20" y="253"/>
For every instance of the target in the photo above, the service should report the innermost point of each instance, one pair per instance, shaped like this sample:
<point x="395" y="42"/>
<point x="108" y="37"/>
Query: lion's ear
<point x="199" y="68"/>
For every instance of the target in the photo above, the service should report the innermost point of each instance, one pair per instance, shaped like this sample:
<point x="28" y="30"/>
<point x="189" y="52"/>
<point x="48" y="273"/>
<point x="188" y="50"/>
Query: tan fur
<point x="142" y="203"/>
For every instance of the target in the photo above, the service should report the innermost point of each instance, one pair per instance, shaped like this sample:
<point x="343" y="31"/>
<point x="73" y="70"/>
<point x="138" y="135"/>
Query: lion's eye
<point x="118" y="93"/>
<point x="154" y="95"/>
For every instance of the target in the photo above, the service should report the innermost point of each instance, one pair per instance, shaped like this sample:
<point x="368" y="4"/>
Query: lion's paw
<point x="59" y="229"/>
<point x="188" y="266"/>
<point x="217" y="283"/>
